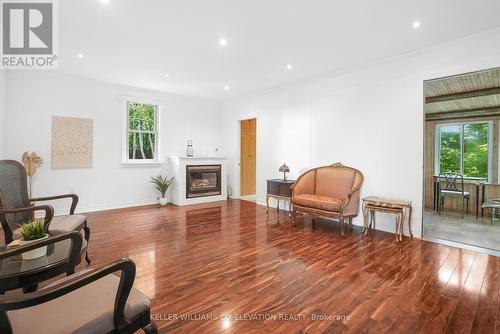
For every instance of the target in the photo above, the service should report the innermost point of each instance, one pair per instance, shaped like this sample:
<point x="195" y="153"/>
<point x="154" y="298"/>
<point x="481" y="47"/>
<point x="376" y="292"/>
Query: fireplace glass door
<point x="203" y="180"/>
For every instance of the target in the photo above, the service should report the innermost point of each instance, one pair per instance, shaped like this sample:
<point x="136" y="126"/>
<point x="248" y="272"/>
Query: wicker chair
<point x="16" y="207"/>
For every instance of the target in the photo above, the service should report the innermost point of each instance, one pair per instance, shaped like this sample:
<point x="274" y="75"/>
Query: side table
<point x="400" y="208"/>
<point x="279" y="189"/>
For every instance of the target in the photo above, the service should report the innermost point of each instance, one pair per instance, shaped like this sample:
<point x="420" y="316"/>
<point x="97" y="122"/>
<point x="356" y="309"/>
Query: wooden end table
<point x="279" y="189"/>
<point x="400" y="208"/>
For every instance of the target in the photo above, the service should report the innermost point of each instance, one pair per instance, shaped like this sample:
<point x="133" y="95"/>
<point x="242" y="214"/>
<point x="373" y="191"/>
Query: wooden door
<point x="248" y="150"/>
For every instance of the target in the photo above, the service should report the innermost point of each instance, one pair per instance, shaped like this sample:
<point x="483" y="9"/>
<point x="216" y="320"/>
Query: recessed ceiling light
<point x="226" y="87"/>
<point x="416" y="24"/>
<point x="289" y="66"/>
<point x="222" y="42"/>
<point x="166" y="75"/>
<point x="80" y="56"/>
<point x="104" y="2"/>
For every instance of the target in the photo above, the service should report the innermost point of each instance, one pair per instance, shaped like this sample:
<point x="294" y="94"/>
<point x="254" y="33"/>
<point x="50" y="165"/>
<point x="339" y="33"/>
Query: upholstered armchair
<point x="329" y="191"/>
<point x="16" y="208"/>
<point x="90" y="301"/>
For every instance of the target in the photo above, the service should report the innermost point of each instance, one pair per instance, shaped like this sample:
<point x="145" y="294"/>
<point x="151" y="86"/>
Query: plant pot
<point x="35" y="253"/>
<point x="163" y="201"/>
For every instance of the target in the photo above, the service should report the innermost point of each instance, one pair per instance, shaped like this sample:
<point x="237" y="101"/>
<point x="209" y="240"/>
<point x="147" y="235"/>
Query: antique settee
<point x="329" y="191"/>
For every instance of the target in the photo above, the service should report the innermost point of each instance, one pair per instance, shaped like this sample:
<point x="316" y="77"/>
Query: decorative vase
<point x="190" y="150"/>
<point x="35" y="253"/>
<point x="163" y="201"/>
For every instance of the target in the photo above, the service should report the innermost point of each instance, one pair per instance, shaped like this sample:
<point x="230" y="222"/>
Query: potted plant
<point x="161" y="184"/>
<point x="32" y="232"/>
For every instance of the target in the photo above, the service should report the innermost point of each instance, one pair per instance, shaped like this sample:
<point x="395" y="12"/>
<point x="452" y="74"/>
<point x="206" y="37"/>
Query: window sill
<point x="141" y="164"/>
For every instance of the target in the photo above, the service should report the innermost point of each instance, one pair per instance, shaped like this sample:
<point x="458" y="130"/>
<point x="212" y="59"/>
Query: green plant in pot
<point x="161" y="184"/>
<point x="32" y="232"/>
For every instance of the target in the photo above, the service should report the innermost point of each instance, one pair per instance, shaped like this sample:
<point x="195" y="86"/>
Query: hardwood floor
<point x="231" y="259"/>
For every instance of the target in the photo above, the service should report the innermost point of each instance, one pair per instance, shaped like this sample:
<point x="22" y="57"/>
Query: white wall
<point x="35" y="96"/>
<point x="370" y="118"/>
<point x="3" y="110"/>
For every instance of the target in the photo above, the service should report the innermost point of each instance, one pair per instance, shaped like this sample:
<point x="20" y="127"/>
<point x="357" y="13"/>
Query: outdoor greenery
<point x="33" y="231"/>
<point x="142" y="131"/>
<point x="474" y="138"/>
<point x="161" y="184"/>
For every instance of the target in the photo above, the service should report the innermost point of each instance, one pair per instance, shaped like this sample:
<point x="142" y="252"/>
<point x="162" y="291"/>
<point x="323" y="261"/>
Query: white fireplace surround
<point x="177" y="168"/>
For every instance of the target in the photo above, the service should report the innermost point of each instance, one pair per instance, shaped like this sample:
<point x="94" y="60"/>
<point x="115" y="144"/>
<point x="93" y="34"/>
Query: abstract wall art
<point x="72" y="141"/>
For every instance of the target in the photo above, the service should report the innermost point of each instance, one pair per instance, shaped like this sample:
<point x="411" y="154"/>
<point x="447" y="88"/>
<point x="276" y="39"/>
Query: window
<point x="142" y="131"/>
<point x="464" y="148"/>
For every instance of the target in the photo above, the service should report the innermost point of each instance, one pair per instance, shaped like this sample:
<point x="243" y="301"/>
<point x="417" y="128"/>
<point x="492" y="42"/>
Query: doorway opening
<point x="462" y="164"/>
<point x="248" y="159"/>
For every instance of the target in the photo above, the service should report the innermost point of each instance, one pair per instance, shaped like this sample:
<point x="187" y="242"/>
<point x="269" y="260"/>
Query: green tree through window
<point x="141" y="131"/>
<point x="464" y="149"/>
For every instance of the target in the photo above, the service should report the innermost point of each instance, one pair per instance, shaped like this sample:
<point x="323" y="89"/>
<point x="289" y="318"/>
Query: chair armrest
<point x="125" y="266"/>
<point x="74" y="252"/>
<point x="354" y="189"/>
<point x="49" y="212"/>
<point x="74" y="201"/>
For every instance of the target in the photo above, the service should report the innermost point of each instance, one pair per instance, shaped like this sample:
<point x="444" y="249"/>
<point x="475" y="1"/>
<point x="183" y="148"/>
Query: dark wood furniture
<point x="400" y="208"/>
<point x="16" y="208"/>
<point x="63" y="307"/>
<point x="280" y="190"/>
<point x="63" y="254"/>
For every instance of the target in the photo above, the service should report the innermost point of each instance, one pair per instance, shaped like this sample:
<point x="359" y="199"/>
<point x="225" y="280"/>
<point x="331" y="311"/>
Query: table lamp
<point x="284" y="169"/>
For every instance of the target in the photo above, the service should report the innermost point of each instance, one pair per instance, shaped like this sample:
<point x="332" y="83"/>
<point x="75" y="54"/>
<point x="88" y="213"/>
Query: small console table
<point x="398" y="207"/>
<point x="279" y="189"/>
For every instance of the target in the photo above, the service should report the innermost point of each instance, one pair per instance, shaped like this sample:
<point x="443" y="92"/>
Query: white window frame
<point x="437" y="150"/>
<point x="125" y="143"/>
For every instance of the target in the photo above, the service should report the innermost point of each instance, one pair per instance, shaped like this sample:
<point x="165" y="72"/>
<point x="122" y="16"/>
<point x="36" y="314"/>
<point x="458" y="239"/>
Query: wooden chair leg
<point x="341" y="220"/>
<point x="150" y="328"/>
<point x="86" y="230"/>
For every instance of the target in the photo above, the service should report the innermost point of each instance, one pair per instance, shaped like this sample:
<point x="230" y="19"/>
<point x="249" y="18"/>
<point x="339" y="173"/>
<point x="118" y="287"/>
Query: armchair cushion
<point x="326" y="203"/>
<point x="60" y="224"/>
<point x="86" y="310"/>
<point x="66" y="223"/>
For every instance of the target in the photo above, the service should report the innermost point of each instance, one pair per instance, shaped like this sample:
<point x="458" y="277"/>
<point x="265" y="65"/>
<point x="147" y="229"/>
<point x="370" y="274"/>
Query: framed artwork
<point x="72" y="141"/>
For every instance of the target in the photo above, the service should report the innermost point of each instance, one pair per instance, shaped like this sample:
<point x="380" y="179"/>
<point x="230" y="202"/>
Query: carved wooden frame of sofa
<point x="328" y="191"/>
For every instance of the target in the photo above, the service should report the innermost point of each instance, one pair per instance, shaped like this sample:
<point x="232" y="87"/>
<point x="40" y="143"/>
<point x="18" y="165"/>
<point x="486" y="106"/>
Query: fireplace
<point x="203" y="180"/>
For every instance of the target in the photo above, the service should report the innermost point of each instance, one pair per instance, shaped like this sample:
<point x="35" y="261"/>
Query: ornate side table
<point x="400" y="208"/>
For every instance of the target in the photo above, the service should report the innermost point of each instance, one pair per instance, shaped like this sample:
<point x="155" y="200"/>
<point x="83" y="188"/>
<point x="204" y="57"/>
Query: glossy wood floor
<point x="266" y="276"/>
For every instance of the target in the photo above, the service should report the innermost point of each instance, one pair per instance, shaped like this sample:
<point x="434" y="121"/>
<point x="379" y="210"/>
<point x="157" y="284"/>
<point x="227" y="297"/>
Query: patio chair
<point x="452" y="185"/>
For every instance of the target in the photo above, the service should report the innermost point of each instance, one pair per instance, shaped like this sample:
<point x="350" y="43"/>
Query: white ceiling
<point x="136" y="42"/>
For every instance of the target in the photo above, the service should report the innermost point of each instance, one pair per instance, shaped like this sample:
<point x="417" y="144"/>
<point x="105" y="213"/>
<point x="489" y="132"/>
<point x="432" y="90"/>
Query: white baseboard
<point x="110" y="206"/>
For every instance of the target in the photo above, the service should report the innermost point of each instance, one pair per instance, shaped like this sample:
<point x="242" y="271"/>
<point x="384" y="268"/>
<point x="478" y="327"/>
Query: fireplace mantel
<point x="195" y="158"/>
<point x="177" y="168"/>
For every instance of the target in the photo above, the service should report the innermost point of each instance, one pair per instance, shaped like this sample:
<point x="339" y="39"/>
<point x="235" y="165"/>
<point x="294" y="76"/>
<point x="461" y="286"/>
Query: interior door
<point x="248" y="157"/>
